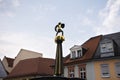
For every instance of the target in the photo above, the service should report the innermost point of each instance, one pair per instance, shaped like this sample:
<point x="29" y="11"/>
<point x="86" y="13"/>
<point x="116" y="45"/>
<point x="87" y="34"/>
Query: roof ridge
<point x="91" y="38"/>
<point x="28" y="51"/>
<point x="112" y="33"/>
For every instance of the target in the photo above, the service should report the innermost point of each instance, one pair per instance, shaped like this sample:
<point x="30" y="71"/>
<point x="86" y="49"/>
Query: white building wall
<point x="76" y="69"/>
<point x="26" y="54"/>
<point x="65" y="71"/>
<point x="90" y="71"/>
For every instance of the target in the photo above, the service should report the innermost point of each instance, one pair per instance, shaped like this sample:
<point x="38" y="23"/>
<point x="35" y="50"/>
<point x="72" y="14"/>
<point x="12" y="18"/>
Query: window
<point x="82" y="73"/>
<point x="73" y="54"/>
<point x="106" y="47"/>
<point x="103" y="47"/>
<point x="105" y="70"/>
<point x="76" y="51"/>
<point x="117" y="67"/>
<point x="71" y="73"/>
<point x="76" y="54"/>
<point x="109" y="47"/>
<point x="79" y="53"/>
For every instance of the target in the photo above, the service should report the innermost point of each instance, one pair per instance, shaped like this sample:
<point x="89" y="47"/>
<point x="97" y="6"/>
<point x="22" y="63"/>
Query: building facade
<point x="78" y="62"/>
<point x="97" y="59"/>
<point x="107" y="58"/>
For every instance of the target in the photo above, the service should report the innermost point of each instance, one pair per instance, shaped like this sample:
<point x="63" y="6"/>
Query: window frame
<point x="106" y="47"/>
<point x="73" y="54"/>
<point x="103" y="70"/>
<point x="82" y="70"/>
<point x="71" y="74"/>
<point x="116" y="69"/>
<point x="79" y="53"/>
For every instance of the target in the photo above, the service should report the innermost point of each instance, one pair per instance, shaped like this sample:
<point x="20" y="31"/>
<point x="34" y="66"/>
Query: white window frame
<point x="79" y="53"/>
<point x="71" y="73"/>
<point x="103" y="47"/>
<point x="105" y="70"/>
<point x="83" y="72"/>
<point x="108" y="47"/>
<point x="117" y="69"/>
<point x="75" y="49"/>
<point x="73" y="54"/>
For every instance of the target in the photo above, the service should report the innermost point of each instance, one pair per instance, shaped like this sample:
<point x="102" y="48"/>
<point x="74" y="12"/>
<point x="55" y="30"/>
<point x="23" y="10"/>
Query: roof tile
<point x="34" y="66"/>
<point x="90" y="45"/>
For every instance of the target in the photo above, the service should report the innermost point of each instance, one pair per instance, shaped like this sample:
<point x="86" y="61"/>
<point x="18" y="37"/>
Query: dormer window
<point x="73" y="54"/>
<point x="76" y="52"/>
<point x="106" y="48"/>
<point x="79" y="53"/>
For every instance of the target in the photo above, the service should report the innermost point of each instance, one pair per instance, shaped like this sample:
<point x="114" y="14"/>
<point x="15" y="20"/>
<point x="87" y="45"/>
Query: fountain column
<point x="59" y="70"/>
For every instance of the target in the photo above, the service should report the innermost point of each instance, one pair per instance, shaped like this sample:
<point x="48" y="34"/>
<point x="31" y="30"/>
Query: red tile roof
<point x="10" y="61"/>
<point x="33" y="67"/>
<point x="91" y="46"/>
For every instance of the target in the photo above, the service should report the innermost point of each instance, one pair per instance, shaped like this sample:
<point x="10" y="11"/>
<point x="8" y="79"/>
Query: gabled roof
<point x="90" y="45"/>
<point x="26" y="54"/>
<point x="25" y="51"/>
<point x="2" y="70"/>
<point x="75" y="47"/>
<point x="33" y="67"/>
<point x="10" y="61"/>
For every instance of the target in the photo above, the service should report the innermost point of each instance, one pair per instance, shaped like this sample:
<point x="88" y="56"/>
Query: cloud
<point x="7" y="7"/>
<point x="86" y="21"/>
<point x="90" y="11"/>
<point x="11" y="43"/>
<point x="42" y="8"/>
<point x="110" y="18"/>
<point x="8" y="13"/>
<point x="16" y="3"/>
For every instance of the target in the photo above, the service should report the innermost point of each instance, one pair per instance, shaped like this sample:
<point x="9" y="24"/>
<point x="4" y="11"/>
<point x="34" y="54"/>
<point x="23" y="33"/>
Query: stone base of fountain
<point x="56" y="78"/>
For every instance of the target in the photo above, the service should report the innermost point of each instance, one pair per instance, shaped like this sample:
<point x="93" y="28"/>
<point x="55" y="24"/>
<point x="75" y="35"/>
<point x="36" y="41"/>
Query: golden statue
<point x="58" y="29"/>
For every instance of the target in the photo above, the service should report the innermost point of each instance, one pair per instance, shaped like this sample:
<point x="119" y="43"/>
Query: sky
<point x="29" y="24"/>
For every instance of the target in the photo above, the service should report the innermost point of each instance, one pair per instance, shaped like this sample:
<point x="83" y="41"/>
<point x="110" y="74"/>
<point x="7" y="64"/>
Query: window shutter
<point x="105" y="70"/>
<point x="117" y="68"/>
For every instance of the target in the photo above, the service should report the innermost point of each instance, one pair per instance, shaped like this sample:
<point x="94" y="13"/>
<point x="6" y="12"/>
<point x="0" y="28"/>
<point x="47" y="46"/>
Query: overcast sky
<point x="29" y="24"/>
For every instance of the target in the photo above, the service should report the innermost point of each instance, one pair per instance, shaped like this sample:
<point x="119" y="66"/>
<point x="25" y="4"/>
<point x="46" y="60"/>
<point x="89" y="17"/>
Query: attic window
<point x="106" y="47"/>
<point x="77" y="51"/>
<point x="73" y="54"/>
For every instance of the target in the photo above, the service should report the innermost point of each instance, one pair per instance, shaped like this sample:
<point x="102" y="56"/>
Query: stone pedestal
<point x="56" y="78"/>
